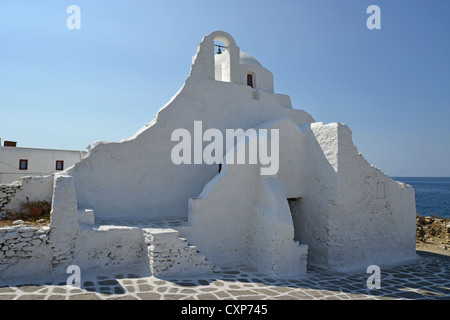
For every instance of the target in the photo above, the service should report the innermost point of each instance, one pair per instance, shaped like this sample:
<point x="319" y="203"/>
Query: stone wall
<point x="27" y="189"/>
<point x="21" y="244"/>
<point x="7" y="192"/>
<point x="171" y="255"/>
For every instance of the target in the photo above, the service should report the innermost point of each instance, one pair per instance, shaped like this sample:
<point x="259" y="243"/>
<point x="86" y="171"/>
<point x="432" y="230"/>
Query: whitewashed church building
<point x="150" y="203"/>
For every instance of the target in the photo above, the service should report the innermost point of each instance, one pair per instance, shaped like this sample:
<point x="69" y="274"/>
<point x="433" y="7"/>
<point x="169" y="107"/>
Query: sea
<point x="432" y="195"/>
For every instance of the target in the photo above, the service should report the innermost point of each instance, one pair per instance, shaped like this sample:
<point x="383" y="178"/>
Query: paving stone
<point x="281" y="289"/>
<point x="139" y="281"/>
<point x="31" y="297"/>
<point x="59" y="289"/>
<point x="300" y="295"/>
<point x="6" y="289"/>
<point x="145" y="287"/>
<point x="234" y="286"/>
<point x="240" y="293"/>
<point x="174" y="296"/>
<point x="119" y="290"/>
<point x="29" y="288"/>
<point x="84" y="296"/>
<point x="207" y="296"/>
<point x="75" y="291"/>
<point x="126" y="297"/>
<point x="218" y="283"/>
<point x="188" y="291"/>
<point x="161" y="289"/>
<point x="267" y="292"/>
<point x="56" y="297"/>
<point x="149" y="296"/>
<point x="130" y="289"/>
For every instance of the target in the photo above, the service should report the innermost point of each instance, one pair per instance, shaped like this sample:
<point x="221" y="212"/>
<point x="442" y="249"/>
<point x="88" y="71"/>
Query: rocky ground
<point x="25" y="222"/>
<point x="433" y="234"/>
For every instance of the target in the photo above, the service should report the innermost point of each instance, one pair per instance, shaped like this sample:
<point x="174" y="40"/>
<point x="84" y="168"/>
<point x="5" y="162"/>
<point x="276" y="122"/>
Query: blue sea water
<point x="432" y="195"/>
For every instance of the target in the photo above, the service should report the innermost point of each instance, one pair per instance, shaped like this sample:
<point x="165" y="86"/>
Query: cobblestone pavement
<point x="426" y="278"/>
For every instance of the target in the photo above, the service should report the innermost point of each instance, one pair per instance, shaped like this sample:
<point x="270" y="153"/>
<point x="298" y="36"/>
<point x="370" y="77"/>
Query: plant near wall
<point x="31" y="211"/>
<point x="37" y="209"/>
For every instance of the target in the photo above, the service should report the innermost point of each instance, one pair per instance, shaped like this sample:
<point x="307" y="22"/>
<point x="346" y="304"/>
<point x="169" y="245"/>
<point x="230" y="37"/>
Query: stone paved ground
<point x="427" y="278"/>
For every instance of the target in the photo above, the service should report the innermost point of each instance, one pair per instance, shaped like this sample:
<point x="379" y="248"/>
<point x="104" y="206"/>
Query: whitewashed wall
<point x="136" y="177"/>
<point x="351" y="214"/>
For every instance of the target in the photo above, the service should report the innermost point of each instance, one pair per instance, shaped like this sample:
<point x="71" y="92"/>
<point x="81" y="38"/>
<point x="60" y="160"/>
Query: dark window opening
<point x="23" y="164"/>
<point x="295" y="206"/>
<point x="250" y="80"/>
<point x="59" y="165"/>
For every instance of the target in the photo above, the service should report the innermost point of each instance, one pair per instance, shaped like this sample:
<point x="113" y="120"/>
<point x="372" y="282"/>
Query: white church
<point x="128" y="205"/>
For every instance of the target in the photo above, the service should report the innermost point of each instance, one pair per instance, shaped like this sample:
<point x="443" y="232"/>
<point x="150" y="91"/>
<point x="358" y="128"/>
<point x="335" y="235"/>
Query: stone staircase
<point x="169" y="254"/>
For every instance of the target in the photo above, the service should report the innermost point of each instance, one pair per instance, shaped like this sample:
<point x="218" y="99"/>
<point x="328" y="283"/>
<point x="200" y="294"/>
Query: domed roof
<point x="245" y="58"/>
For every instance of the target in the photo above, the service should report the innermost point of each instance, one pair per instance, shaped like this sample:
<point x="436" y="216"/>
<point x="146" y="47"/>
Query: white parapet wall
<point x="27" y="189"/>
<point x="24" y="251"/>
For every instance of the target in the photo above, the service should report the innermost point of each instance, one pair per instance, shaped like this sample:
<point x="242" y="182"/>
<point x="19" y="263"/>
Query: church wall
<point x="352" y="215"/>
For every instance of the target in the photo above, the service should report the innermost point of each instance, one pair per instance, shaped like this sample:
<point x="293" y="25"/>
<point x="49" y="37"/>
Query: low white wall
<point x="27" y="189"/>
<point x="24" y="251"/>
<point x="110" y="248"/>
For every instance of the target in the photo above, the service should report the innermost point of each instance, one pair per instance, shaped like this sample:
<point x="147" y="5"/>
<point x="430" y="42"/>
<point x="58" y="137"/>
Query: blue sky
<point x="62" y="88"/>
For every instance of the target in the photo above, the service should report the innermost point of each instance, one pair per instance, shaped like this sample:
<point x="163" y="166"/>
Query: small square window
<point x="59" y="165"/>
<point x="23" y="164"/>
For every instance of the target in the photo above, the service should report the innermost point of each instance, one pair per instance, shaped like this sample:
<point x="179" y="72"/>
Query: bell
<point x="219" y="51"/>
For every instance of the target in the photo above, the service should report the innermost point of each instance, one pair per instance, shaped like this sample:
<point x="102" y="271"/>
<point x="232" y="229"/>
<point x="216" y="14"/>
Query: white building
<point x="325" y="206"/>
<point x="16" y="162"/>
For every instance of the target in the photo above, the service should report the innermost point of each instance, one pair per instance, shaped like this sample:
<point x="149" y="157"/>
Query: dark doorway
<point x="295" y="206"/>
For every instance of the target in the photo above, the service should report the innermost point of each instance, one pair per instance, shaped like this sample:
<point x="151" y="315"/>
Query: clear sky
<point x="62" y="88"/>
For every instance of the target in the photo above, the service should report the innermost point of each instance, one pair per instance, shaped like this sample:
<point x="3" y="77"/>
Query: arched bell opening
<point x="222" y="67"/>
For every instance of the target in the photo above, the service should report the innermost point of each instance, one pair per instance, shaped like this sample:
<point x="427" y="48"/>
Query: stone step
<point x="170" y="254"/>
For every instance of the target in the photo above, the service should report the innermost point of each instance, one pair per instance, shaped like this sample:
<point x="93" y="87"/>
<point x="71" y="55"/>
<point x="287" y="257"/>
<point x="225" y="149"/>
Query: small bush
<point x="31" y="211"/>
